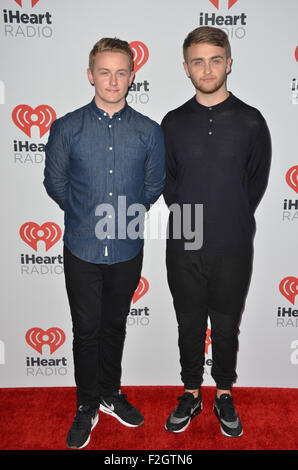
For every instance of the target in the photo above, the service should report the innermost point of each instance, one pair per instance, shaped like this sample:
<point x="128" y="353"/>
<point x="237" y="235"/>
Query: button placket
<point x="105" y="120"/>
<point x="111" y="161"/>
<point x="210" y="121"/>
<point x="110" y="179"/>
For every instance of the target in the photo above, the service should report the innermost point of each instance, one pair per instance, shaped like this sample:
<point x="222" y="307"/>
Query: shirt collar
<point x="226" y="104"/>
<point x="101" y="113"/>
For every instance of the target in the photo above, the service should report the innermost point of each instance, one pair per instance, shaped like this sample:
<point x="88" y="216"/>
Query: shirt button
<point x="210" y="109"/>
<point x="111" y="171"/>
<point x="108" y="236"/>
<point x="104" y="114"/>
<point x="110" y="148"/>
<point x="119" y="119"/>
<point x="210" y="120"/>
<point x="210" y="133"/>
<point x="110" y="194"/>
<point x="110" y="218"/>
<point x="99" y="118"/>
<point x="110" y="125"/>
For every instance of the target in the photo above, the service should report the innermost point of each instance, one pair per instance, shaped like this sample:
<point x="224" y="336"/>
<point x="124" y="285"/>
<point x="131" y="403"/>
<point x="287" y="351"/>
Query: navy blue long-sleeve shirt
<point x="100" y="171"/>
<point x="219" y="157"/>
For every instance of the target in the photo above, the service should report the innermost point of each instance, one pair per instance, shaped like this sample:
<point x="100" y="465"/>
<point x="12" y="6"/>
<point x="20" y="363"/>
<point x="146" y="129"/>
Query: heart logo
<point x="49" y="232"/>
<point x="288" y="287"/>
<point x="207" y="340"/>
<point x="296" y="53"/>
<point x="231" y="3"/>
<point x="292" y="178"/>
<point x="33" y="2"/>
<point x="141" y="290"/>
<point x="25" y="117"/>
<point x="36" y="338"/>
<point x="140" y="54"/>
<point x="216" y="3"/>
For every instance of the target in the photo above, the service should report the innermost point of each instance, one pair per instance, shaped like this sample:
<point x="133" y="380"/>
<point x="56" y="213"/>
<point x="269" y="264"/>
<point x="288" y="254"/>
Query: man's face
<point x="207" y="67"/>
<point x="111" y="77"/>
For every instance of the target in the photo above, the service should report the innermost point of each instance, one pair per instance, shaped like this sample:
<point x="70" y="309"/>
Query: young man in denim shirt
<point x="104" y="164"/>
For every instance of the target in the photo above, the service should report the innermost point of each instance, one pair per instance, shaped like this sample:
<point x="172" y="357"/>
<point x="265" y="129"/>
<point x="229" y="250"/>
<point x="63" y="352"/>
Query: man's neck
<point x="211" y="99"/>
<point x="110" y="108"/>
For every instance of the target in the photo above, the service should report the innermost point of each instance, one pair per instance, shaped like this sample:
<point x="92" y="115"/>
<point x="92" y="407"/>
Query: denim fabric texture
<point x="91" y="161"/>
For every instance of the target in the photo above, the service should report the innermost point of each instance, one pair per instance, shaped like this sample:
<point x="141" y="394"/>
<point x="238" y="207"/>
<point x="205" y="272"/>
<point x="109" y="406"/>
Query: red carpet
<point x="39" y="419"/>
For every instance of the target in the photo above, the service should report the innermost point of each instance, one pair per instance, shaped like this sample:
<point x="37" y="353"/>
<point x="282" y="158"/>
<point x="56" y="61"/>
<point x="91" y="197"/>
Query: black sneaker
<point x="188" y="408"/>
<point x="117" y="405"/>
<point x="227" y="415"/>
<point x="84" y="421"/>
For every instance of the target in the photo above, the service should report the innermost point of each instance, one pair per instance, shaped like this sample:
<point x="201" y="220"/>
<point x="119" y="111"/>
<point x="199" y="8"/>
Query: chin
<point x="207" y="90"/>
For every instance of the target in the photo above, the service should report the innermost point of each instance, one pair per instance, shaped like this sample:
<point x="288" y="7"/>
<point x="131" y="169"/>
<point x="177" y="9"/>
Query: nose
<point x="113" y="79"/>
<point x="207" y="67"/>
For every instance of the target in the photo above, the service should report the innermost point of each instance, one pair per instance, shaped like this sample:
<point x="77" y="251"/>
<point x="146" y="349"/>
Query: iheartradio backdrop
<point x="44" y="49"/>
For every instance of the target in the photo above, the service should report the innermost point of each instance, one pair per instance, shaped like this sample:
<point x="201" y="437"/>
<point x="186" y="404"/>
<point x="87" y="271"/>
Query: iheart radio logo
<point x="36" y="338"/>
<point x="33" y="2"/>
<point x="141" y="290"/>
<point x="25" y="117"/>
<point x="207" y="340"/>
<point x="140" y="54"/>
<point x="230" y="3"/>
<point x="292" y="178"/>
<point x="49" y="232"/>
<point x="288" y="287"/>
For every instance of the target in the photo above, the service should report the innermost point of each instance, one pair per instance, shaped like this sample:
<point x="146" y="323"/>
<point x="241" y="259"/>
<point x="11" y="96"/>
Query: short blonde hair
<point x="111" y="44"/>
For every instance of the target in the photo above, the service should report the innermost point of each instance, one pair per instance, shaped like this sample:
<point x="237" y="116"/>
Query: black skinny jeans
<point x="99" y="297"/>
<point x="202" y="286"/>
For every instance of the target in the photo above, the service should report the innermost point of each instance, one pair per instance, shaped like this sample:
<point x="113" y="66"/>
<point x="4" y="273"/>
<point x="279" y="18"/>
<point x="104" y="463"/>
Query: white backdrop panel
<point x="44" y="53"/>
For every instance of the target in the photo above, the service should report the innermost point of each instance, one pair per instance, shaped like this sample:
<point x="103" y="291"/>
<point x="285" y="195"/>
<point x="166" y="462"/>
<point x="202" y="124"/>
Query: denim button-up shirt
<point x="97" y="169"/>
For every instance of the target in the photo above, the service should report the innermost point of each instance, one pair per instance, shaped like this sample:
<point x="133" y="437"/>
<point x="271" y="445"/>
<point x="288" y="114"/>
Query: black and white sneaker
<point x="117" y="405"/>
<point x="227" y="415"/>
<point x="84" y="421"/>
<point x="188" y="408"/>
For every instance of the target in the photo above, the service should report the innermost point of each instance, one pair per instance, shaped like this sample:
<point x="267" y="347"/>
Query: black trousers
<point x="202" y="286"/>
<point x="99" y="297"/>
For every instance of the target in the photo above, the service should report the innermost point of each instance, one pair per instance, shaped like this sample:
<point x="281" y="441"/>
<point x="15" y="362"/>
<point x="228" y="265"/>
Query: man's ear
<point x="90" y="77"/>
<point x="131" y="78"/>
<point x="229" y="64"/>
<point x="186" y="69"/>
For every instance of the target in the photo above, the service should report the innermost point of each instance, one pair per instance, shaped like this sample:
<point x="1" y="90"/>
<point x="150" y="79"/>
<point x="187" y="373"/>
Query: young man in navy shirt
<point x="218" y="155"/>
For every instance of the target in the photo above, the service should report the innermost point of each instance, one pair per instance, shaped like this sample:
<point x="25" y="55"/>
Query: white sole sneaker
<point x="94" y="423"/>
<point x="110" y="412"/>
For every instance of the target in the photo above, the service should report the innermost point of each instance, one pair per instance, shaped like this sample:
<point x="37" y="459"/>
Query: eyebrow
<point x="118" y="70"/>
<point x="213" y="57"/>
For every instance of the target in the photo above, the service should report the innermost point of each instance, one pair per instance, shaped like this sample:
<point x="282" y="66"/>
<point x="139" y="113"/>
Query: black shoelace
<point x="123" y="401"/>
<point x="227" y="408"/>
<point x="83" y="417"/>
<point x="185" y="405"/>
